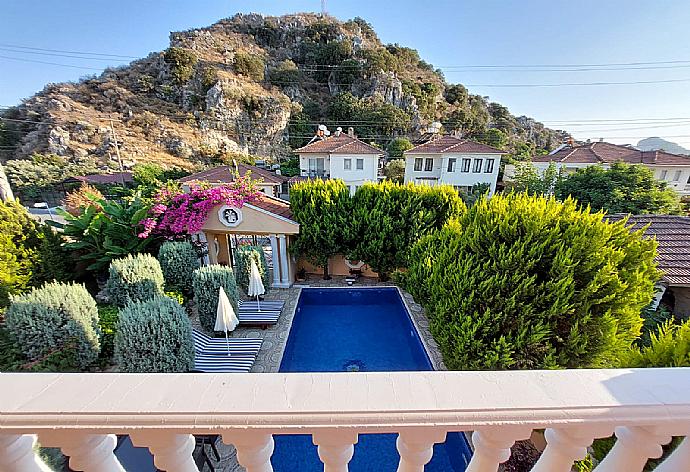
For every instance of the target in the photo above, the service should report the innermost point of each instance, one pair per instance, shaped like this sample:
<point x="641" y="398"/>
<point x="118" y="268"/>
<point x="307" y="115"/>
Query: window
<point x="451" y="164"/>
<point x="429" y="164"/>
<point x="418" y="164"/>
<point x="360" y="164"/>
<point x="465" y="165"/>
<point x="316" y="165"/>
<point x="347" y="164"/>
<point x="477" y="165"/>
<point x="489" y="167"/>
<point x="676" y="176"/>
<point x="663" y="174"/>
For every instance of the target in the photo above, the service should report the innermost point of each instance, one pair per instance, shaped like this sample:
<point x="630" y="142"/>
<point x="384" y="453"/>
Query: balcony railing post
<point x="86" y="452"/>
<point x="17" y="454"/>
<point x="492" y="447"/>
<point x="678" y="460"/>
<point x="565" y="446"/>
<point x="171" y="452"/>
<point x="634" y="446"/>
<point x="254" y="449"/>
<point x="336" y="448"/>
<point x="416" y="447"/>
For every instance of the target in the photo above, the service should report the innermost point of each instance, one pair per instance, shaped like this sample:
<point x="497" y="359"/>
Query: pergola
<point x="267" y="216"/>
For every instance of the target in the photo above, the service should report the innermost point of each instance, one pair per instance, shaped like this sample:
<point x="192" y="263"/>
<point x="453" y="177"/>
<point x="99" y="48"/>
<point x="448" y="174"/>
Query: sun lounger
<point x="207" y="345"/>
<point x="267" y="304"/>
<point x="264" y="314"/>
<point x="221" y="363"/>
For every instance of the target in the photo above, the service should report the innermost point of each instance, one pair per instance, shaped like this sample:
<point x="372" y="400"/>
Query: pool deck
<point x="275" y="339"/>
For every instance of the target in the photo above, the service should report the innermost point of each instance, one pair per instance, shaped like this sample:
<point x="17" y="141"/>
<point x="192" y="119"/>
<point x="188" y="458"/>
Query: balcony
<point x="81" y="413"/>
<point x="314" y="174"/>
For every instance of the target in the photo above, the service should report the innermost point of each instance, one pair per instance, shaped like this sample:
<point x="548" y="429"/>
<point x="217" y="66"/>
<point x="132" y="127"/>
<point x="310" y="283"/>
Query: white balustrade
<point x="17" y="454"/>
<point x="86" y="452"/>
<point x="81" y="413"/>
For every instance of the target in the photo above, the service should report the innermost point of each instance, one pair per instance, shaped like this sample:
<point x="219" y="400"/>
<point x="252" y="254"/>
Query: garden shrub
<point x="669" y="347"/>
<point x="49" y="318"/>
<point x="19" y="255"/>
<point x="108" y="316"/>
<point x="522" y="282"/>
<point x="207" y="282"/>
<point x="178" y="261"/>
<point x="243" y="263"/>
<point x="82" y="197"/>
<point x="176" y="295"/>
<point x="134" y="278"/>
<point x="154" y="336"/>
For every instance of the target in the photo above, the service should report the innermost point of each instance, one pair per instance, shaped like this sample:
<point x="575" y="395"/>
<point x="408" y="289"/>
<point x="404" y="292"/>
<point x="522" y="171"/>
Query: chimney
<point x="351" y="131"/>
<point x="601" y="140"/>
<point x="338" y="131"/>
<point x="571" y="141"/>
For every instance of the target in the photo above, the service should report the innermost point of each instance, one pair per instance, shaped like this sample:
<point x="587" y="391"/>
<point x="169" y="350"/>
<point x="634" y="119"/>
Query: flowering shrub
<point x="176" y="214"/>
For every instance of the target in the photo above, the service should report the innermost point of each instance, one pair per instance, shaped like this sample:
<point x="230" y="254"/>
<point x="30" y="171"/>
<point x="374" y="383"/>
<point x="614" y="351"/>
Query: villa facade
<point x="453" y="161"/>
<point x="340" y="156"/>
<point x="674" y="169"/>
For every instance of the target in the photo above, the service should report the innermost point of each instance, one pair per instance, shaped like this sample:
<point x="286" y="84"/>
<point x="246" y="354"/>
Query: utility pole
<point x="117" y="151"/>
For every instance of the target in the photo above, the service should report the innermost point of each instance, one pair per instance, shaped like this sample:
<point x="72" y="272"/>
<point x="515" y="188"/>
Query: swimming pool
<point x="357" y="329"/>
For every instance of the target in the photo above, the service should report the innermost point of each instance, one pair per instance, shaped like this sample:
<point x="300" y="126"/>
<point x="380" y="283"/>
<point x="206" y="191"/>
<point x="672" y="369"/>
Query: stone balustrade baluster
<point x="336" y="448"/>
<point x="416" y="447"/>
<point x="678" y="460"/>
<point x="86" y="451"/>
<point x="634" y="446"/>
<point x="172" y="452"/>
<point x="565" y="446"/>
<point x="17" y="454"/>
<point x="492" y="447"/>
<point x="254" y="449"/>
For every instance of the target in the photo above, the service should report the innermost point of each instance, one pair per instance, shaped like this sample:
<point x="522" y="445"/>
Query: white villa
<point x="340" y="156"/>
<point x="674" y="169"/>
<point x="453" y="161"/>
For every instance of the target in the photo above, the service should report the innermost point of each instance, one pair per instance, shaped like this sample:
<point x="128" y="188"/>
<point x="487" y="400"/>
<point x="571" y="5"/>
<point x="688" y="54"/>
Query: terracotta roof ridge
<point x="572" y="150"/>
<point x="596" y="154"/>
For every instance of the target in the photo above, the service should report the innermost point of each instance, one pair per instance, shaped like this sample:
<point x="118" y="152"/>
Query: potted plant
<point x="302" y="275"/>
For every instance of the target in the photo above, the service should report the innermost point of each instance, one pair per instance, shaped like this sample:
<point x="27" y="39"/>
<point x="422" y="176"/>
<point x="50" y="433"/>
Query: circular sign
<point x="230" y="216"/>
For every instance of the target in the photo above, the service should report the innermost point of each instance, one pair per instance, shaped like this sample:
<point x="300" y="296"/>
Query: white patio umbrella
<point x="256" y="285"/>
<point x="226" y="320"/>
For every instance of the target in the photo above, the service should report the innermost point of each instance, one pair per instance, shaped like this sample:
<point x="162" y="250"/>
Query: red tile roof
<point x="607" y="153"/>
<point x="274" y="205"/>
<point x="342" y="144"/>
<point x="447" y="144"/>
<point x="673" y="235"/>
<point x="225" y="174"/>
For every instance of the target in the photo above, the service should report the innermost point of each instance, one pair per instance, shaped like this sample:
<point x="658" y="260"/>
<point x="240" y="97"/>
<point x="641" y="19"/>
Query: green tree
<point x="527" y="282"/>
<point x="624" y="188"/>
<point x="494" y="137"/>
<point x="395" y="171"/>
<point x="19" y="255"/>
<point x="321" y="209"/>
<point x="528" y="179"/>
<point x="398" y="146"/>
<point x="388" y="218"/>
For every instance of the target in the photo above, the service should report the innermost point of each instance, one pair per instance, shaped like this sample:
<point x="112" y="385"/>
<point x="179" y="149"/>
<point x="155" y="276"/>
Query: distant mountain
<point x="655" y="144"/>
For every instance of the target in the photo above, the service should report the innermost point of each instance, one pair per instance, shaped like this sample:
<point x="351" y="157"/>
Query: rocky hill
<point x="251" y="85"/>
<point x="656" y="144"/>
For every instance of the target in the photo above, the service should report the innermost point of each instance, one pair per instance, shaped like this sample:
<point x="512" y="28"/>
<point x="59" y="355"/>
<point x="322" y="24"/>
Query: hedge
<point x="207" y="281"/>
<point x="178" y="261"/>
<point x="50" y="318"/>
<point x="134" y="278"/>
<point x="154" y="336"/>
<point x="522" y="282"/>
<point x="243" y="263"/>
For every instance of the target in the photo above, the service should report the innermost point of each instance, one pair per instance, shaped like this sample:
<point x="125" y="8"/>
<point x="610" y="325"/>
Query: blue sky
<point x="448" y="34"/>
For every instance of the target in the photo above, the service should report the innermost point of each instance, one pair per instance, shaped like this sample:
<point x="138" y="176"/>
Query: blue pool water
<point x="364" y="329"/>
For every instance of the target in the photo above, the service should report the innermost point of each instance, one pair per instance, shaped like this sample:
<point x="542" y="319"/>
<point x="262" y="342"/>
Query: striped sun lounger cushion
<point x="207" y="344"/>
<point x="267" y="304"/>
<point x="220" y="363"/>
<point x="258" y="317"/>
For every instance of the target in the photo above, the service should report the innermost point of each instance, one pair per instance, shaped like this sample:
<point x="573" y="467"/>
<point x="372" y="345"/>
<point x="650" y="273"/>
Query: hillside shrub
<point x="522" y="282"/>
<point x="207" y="281"/>
<point x="154" y="336"/>
<point x="51" y="317"/>
<point x="387" y="219"/>
<point x="243" y="263"/>
<point x="178" y="261"/>
<point x="182" y="62"/>
<point x="134" y="278"/>
<point x="250" y="65"/>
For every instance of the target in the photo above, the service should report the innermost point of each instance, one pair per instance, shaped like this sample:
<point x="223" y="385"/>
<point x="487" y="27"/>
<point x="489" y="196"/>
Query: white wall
<point x="334" y="165"/>
<point x="457" y="178"/>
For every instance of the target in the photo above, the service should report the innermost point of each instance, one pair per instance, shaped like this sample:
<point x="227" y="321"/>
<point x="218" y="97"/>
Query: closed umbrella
<point x="256" y="285"/>
<point x="226" y="320"/>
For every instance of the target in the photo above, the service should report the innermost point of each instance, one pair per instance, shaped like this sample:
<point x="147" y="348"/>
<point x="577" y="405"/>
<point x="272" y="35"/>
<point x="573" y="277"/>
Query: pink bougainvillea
<point x="176" y="214"/>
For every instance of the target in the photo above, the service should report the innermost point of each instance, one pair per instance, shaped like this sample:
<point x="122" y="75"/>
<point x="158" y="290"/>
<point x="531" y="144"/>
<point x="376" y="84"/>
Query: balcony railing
<point x="315" y="174"/>
<point x="81" y="413"/>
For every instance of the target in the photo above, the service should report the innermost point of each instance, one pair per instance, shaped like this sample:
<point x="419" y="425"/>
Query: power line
<point x="59" y="55"/>
<point x="68" y="52"/>
<point x="50" y="63"/>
